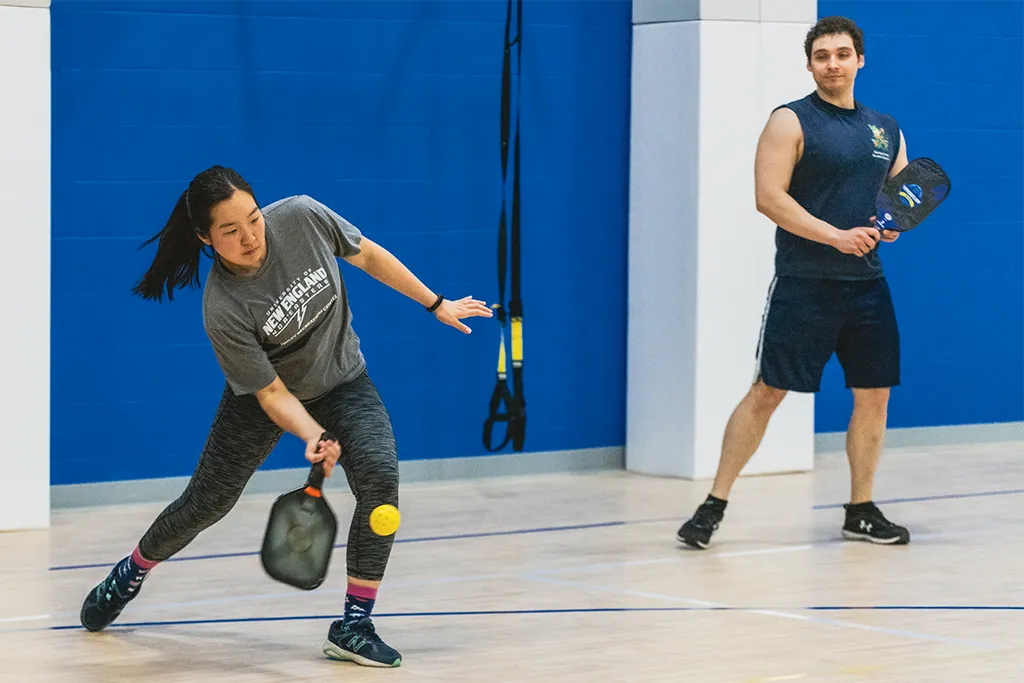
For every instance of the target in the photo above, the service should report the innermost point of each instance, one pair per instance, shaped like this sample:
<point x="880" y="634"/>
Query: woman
<point x="277" y="315"/>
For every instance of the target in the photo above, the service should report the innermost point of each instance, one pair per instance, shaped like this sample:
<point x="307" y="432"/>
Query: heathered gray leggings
<point x="242" y="437"/>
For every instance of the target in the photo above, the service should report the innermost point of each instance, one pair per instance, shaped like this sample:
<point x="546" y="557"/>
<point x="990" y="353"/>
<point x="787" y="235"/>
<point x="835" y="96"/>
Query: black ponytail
<point x="176" y="264"/>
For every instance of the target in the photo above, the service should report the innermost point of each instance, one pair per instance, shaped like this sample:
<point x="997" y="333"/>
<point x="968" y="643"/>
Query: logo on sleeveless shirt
<point x="880" y="142"/>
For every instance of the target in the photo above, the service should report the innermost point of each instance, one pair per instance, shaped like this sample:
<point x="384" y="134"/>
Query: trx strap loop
<point x="514" y="401"/>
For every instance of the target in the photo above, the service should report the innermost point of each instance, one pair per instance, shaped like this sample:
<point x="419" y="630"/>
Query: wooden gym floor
<point x="567" y="578"/>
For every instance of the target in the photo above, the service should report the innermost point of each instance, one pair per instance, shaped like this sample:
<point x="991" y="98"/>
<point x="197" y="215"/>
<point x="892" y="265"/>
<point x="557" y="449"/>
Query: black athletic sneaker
<point x="358" y="642"/>
<point x="865" y="522"/>
<point x="104" y="603"/>
<point x="696" y="531"/>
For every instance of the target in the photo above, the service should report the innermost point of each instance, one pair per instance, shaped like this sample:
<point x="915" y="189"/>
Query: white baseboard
<point x="410" y="471"/>
<point x="829" y="442"/>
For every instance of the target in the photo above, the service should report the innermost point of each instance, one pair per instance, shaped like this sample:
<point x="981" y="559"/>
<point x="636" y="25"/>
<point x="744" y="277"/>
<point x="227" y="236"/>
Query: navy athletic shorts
<point x="806" y="320"/>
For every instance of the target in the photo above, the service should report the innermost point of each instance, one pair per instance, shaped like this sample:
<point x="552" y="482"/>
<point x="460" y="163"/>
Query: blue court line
<point x="542" y="530"/>
<point x="950" y="496"/>
<point x="584" y="610"/>
<point x="997" y="608"/>
<point x="420" y="539"/>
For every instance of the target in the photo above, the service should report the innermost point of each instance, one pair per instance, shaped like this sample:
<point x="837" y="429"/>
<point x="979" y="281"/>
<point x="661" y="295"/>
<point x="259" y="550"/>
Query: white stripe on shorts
<point x="760" y="336"/>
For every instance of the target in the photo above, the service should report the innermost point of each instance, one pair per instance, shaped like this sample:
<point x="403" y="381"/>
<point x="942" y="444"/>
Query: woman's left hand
<point x="451" y="312"/>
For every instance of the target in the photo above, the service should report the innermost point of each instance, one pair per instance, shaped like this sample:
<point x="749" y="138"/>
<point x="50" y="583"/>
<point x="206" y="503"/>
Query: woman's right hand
<point x="326" y="452"/>
<point x="289" y="414"/>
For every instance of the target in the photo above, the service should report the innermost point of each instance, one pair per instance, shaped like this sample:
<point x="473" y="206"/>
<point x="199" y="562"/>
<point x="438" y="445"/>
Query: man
<point x="820" y="163"/>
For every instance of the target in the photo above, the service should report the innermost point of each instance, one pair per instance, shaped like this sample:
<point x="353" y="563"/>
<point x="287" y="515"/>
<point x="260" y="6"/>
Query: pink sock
<point x="138" y="559"/>
<point x="359" y="602"/>
<point x="364" y="592"/>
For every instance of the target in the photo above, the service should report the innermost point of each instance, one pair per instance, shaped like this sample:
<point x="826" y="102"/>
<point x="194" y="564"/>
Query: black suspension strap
<point x="515" y="403"/>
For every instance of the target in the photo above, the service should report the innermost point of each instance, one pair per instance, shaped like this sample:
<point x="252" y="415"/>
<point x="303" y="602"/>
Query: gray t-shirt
<point x="291" y="318"/>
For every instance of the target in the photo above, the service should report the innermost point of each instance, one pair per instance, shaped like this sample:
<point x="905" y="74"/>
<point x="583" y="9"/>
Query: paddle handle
<point x="316" y="477"/>
<point x="316" y="473"/>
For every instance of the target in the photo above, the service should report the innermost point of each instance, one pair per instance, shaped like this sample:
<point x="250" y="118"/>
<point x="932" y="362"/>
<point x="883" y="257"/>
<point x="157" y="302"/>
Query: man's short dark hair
<point x="832" y="25"/>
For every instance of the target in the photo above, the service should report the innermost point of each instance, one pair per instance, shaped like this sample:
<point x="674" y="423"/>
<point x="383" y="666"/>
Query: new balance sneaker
<point x="865" y="522"/>
<point x="696" y="531"/>
<point x="104" y="603"/>
<point x="358" y="642"/>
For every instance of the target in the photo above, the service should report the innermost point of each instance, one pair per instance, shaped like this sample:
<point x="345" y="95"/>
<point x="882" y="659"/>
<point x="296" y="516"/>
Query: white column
<point x="25" y="270"/>
<point x="705" y="79"/>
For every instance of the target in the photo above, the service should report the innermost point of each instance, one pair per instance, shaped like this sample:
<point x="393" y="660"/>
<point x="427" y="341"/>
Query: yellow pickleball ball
<point x="385" y="520"/>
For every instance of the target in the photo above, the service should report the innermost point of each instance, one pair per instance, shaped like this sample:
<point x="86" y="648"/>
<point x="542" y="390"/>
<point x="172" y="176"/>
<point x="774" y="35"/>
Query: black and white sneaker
<point x="865" y="522"/>
<point x="696" y="531"/>
<point x="358" y="642"/>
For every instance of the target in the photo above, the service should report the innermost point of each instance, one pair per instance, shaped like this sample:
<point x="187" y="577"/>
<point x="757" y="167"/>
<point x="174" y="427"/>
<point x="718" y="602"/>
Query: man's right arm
<point x="777" y="153"/>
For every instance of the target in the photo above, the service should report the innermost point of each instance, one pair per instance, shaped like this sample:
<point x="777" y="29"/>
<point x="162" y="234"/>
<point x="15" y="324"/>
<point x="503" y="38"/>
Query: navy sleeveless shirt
<point x="847" y="156"/>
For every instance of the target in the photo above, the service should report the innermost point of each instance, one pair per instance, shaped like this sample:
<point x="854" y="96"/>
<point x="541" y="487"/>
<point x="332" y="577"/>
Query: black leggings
<point x="243" y="436"/>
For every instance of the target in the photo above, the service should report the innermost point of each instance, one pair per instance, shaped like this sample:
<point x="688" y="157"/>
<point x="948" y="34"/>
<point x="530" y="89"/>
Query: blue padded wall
<point x="389" y="113"/>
